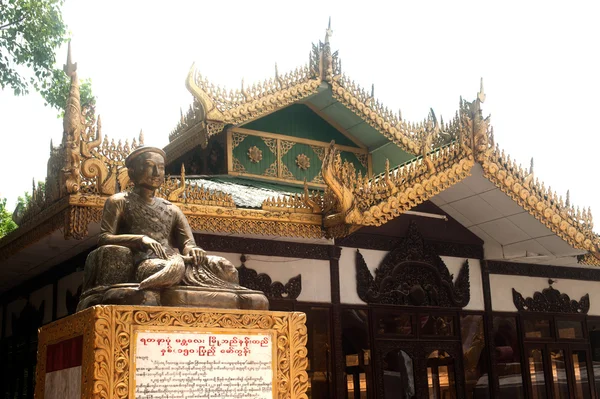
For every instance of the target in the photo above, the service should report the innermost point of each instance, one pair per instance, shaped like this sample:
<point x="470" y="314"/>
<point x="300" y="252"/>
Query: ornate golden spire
<point x="328" y="32"/>
<point x="72" y="118"/>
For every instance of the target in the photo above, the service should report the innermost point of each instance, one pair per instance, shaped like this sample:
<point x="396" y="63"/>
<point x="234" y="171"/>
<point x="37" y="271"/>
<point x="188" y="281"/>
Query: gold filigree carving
<point x="589" y="259"/>
<point x="363" y="159"/>
<point x="177" y="190"/>
<point x="194" y="116"/>
<point x="272" y="170"/>
<point x="78" y="219"/>
<point x="211" y="217"/>
<point x="246" y="103"/>
<point x="302" y="161"/>
<point x="356" y="200"/>
<point x="320" y="151"/>
<point x="568" y="222"/>
<point x="255" y="154"/>
<point x="237" y="165"/>
<point x="306" y="202"/>
<point x="318" y="179"/>
<point x="280" y="228"/>
<point x="198" y="195"/>
<point x="236" y="139"/>
<point x="286" y="146"/>
<point x="285" y="172"/>
<point x="213" y="128"/>
<point x="271" y="144"/>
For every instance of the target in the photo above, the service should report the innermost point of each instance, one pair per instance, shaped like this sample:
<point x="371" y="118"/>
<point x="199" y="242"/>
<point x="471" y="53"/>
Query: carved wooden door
<point x="419" y="369"/>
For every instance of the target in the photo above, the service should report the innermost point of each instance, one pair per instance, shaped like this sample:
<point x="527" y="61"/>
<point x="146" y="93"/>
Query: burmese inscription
<point x="202" y="365"/>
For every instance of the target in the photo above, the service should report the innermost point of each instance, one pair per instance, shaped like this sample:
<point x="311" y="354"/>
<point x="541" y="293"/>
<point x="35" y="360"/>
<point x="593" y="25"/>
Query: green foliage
<point x="6" y="223"/>
<point x="30" y="33"/>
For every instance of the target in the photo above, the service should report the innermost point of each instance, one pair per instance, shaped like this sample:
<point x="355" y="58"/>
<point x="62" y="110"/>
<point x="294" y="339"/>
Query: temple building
<point x="428" y="262"/>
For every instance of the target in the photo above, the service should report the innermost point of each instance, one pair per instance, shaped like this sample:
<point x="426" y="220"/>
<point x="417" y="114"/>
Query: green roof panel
<point x="298" y="120"/>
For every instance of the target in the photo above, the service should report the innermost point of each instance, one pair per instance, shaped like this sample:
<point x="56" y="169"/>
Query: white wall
<point x="316" y="284"/>
<point x="501" y="288"/>
<point x="373" y="258"/>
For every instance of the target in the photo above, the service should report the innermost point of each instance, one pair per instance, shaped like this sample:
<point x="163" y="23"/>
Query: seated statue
<point x="147" y="254"/>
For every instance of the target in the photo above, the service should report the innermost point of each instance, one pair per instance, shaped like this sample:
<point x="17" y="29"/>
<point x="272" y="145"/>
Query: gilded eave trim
<point x="570" y="225"/>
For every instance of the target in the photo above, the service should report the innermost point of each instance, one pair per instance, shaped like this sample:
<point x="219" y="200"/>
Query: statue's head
<point x="146" y="167"/>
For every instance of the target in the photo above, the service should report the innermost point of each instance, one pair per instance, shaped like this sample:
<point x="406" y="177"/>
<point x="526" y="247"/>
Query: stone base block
<point x="159" y="352"/>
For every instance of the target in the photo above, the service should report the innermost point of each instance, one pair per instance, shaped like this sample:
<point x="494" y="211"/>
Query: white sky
<point x="539" y="60"/>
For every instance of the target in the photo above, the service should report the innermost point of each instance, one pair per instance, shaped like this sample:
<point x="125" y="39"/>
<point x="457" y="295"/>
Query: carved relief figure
<point x="148" y="255"/>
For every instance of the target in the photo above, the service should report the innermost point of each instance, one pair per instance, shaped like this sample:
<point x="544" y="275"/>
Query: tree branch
<point x="2" y="27"/>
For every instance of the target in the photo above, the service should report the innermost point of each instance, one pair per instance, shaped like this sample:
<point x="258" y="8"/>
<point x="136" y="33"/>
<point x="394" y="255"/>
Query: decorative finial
<point x="481" y="94"/>
<point x="568" y="202"/>
<point x="182" y="171"/>
<point x="69" y="67"/>
<point x="373" y="90"/>
<point x="141" y="138"/>
<point x="276" y="72"/>
<point x="328" y="32"/>
<point x="51" y="146"/>
<point x="531" y="166"/>
<point x="99" y="128"/>
<point x="399" y="114"/>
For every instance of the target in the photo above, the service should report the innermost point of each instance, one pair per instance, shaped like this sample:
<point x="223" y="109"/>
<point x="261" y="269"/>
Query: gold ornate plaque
<point x="112" y="337"/>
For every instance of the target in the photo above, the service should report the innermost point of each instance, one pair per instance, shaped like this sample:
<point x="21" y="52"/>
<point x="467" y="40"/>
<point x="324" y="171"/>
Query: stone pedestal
<point x="147" y="352"/>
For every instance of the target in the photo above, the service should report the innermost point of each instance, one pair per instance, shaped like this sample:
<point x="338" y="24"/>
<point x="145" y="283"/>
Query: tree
<point x="30" y="33"/>
<point x="6" y="223"/>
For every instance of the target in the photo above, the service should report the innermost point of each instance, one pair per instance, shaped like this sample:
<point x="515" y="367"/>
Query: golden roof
<point x="87" y="168"/>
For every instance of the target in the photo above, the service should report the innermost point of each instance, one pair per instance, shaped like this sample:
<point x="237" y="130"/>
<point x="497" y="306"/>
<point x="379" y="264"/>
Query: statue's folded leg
<point x="160" y="273"/>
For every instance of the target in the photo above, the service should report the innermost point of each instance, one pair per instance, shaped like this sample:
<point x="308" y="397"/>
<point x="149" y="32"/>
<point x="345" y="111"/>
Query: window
<point x="594" y="332"/>
<point x="508" y="359"/>
<point x="440" y="376"/>
<point x="319" y="352"/>
<point x="536" y="373"/>
<point x="537" y="327"/>
<point x="437" y="325"/>
<point x="355" y="343"/>
<point x="474" y="356"/>
<point x="569" y="329"/>
<point x="397" y="323"/>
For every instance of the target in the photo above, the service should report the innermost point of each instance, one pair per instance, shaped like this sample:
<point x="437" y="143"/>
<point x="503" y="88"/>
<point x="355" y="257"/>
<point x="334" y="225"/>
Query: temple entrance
<point x="419" y="369"/>
<point x="418" y="354"/>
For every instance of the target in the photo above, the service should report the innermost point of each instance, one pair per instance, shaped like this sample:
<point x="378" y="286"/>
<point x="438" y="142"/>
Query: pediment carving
<point x="253" y="280"/>
<point x="412" y="274"/>
<point x="550" y="300"/>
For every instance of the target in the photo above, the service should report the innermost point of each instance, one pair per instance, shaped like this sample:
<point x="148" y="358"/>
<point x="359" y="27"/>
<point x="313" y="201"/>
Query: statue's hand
<point x="198" y="254"/>
<point x="150" y="244"/>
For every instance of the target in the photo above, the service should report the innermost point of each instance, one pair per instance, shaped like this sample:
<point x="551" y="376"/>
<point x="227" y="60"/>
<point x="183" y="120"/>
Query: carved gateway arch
<point x="412" y="274"/>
